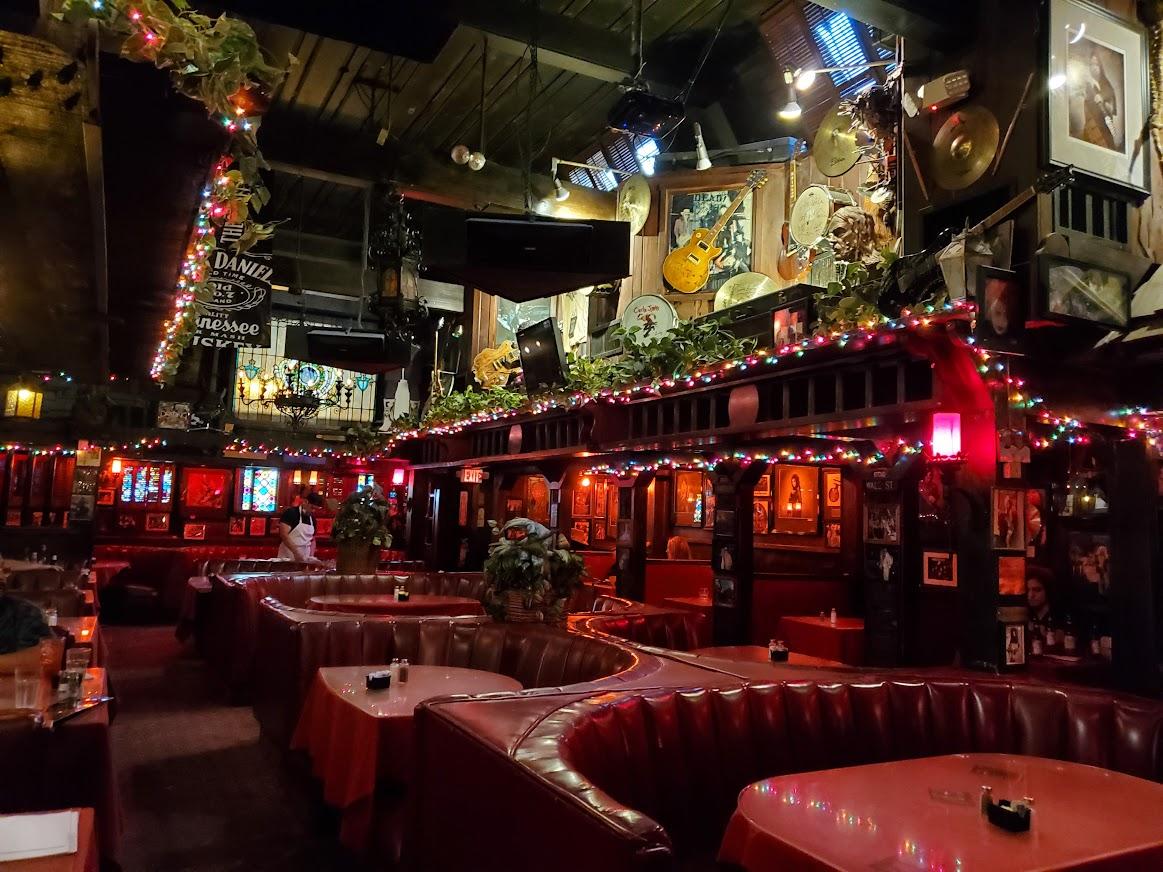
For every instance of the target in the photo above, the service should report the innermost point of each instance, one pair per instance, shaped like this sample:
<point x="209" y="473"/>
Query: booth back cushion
<point x="294" y="643"/>
<point x="676" y="629"/>
<point x="672" y="762"/>
<point x="665" y="578"/>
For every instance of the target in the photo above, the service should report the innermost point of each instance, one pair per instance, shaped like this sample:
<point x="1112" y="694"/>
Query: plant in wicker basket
<point x="531" y="576"/>
<point x="360" y="531"/>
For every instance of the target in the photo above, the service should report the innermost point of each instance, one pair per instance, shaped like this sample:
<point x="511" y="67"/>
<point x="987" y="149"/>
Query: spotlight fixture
<point x="805" y="78"/>
<point x="476" y="161"/>
<point x="460" y="154"/>
<point x="704" y="159"/>
<point x="791" y="110"/>
<point x="560" y="192"/>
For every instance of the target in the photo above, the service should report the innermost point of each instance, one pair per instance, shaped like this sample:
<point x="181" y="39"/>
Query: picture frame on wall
<point x="688" y="499"/>
<point x="882" y="563"/>
<point x="1036" y="503"/>
<point x="581" y="502"/>
<point x="157" y="522"/>
<point x="763" y="486"/>
<point x="833" y="490"/>
<point x="689" y="209"/>
<point x="1098" y="104"/>
<point x="1008" y="519"/>
<point x="1002" y="309"/>
<point x="832" y="536"/>
<point x="1090" y="559"/>
<point x="797" y="500"/>
<point x="580" y="531"/>
<point x="258" y="526"/>
<point x="882" y="521"/>
<point x="106" y="496"/>
<point x="939" y="568"/>
<point x="237" y="526"/>
<point x="1077" y="292"/>
<point x="1011" y="576"/>
<point x="761" y="516"/>
<point x="194" y="531"/>
<point x="600" y="489"/>
<point x="1014" y="636"/>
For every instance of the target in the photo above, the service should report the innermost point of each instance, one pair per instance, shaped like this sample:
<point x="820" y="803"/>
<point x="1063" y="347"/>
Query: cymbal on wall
<point x="964" y="147"/>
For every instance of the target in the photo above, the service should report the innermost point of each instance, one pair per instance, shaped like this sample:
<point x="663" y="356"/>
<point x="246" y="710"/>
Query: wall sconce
<point x="398" y="475"/>
<point x="313" y="478"/>
<point x="585" y="482"/>
<point x="115" y="466"/>
<point x="297" y="477"/>
<point x="945" y="444"/>
<point x="22" y="403"/>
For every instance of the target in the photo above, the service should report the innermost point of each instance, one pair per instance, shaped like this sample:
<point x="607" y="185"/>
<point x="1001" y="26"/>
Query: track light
<point x="460" y="154"/>
<point x="704" y="159"/>
<point x="791" y="110"/>
<point x="560" y="191"/>
<point x="476" y="161"/>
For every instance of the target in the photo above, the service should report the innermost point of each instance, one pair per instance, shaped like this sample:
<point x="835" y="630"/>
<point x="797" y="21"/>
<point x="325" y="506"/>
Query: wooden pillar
<point x="630" y="546"/>
<point x="732" y="551"/>
<point x="660" y="529"/>
<point x="443" y="542"/>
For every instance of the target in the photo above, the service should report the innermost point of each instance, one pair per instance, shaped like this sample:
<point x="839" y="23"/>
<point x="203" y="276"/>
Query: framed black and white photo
<point x="1081" y="292"/>
<point x="940" y="568"/>
<point x="1098" y="104"/>
<point x="1015" y="644"/>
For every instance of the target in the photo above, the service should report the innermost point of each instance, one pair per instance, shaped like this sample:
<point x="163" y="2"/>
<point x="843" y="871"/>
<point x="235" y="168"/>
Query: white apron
<point x="303" y="536"/>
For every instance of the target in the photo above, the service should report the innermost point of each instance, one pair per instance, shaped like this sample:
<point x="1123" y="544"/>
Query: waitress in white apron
<point x="297" y="530"/>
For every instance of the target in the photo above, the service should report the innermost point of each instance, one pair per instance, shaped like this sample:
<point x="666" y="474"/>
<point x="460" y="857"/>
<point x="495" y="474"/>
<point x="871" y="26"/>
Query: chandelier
<point x="297" y="390"/>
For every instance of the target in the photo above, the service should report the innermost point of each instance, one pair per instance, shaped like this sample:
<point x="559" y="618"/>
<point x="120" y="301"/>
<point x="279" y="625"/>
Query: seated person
<point x="22" y="627"/>
<point x="677" y="548"/>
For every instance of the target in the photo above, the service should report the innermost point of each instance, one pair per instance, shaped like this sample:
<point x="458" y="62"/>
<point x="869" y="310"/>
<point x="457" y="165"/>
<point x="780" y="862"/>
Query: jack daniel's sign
<point x="239" y="314"/>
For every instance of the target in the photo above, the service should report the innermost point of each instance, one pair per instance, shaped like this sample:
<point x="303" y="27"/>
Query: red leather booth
<point x="647" y="779"/>
<point x="676" y="578"/>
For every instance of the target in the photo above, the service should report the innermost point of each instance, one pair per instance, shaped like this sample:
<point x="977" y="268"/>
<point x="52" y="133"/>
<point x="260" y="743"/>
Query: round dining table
<point x="926" y="814"/>
<point x="357" y="736"/>
<point x="387" y="604"/>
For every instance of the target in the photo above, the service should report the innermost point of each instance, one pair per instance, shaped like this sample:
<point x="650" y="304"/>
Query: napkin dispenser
<point x="1014" y="817"/>
<point x="380" y="680"/>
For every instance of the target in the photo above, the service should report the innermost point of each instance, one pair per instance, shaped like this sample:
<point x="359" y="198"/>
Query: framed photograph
<point x="194" y="531"/>
<point x="1015" y="644"/>
<point x="763" y="486"/>
<point x="612" y="512"/>
<point x="1035" y="521"/>
<point x="688" y="499"/>
<point x="599" y="530"/>
<point x="882" y="564"/>
<point x="81" y="507"/>
<point x="582" y="500"/>
<point x="939" y="569"/>
<point x="173" y="416"/>
<point x="724" y="590"/>
<point x="831" y="535"/>
<point x="125" y="520"/>
<point x="1090" y="558"/>
<point x="625" y="533"/>
<point x="514" y="508"/>
<point x="322" y="526"/>
<point x="580" y="531"/>
<point x="1001" y="314"/>
<point x="157" y="522"/>
<point x="1011" y="576"/>
<point x="1012" y="446"/>
<point x="687" y="211"/>
<point x="1098" y="105"/>
<point x="726" y="560"/>
<point x="761" y="516"/>
<point x="537" y="499"/>
<point x="237" y="526"/>
<point x="1080" y="292"/>
<point x="882" y="521"/>
<point x="832" y="488"/>
<point x="933" y="504"/>
<point x="600" y="488"/>
<point x="258" y="526"/>
<point x="725" y="521"/>
<point x="790" y="324"/>
<point x="797" y="500"/>
<point x="105" y="496"/>
<point x="1009" y="519"/>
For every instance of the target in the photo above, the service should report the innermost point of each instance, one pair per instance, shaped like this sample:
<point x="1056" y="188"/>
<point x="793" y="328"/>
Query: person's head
<point x="677" y="548"/>
<point x="312" y="501"/>
<point x="1095" y="65"/>
<point x="795" y="480"/>
<point x="1037" y="589"/>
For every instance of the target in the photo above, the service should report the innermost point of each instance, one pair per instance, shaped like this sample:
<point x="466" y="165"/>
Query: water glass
<point x="50" y="616"/>
<point x="27" y="688"/>
<point x="69" y="687"/>
<point x="77" y="660"/>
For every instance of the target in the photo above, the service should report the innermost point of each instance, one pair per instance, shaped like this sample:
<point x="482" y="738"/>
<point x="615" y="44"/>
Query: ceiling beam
<point x="935" y="23"/>
<point x="562" y="42"/>
<point x="319" y="175"/>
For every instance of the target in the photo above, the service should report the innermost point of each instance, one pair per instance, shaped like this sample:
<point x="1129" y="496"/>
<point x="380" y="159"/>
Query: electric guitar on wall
<point x="791" y="264"/>
<point x="687" y="269"/>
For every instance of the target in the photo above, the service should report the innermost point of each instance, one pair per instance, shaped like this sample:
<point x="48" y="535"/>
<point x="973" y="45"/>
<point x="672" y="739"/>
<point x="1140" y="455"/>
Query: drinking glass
<point x="50" y="616"/>
<point x="77" y="660"/>
<point x="70" y="685"/>
<point x="27" y="688"/>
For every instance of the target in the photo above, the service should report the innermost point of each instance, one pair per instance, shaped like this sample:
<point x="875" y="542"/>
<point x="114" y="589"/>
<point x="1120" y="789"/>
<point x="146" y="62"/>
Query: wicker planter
<point x="519" y="610"/>
<point x="356" y="558"/>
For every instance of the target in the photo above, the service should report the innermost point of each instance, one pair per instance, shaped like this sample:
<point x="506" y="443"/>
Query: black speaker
<point x="358" y="350"/>
<point x="757" y="319"/>
<point x="522" y="259"/>
<point x="645" y="114"/>
<point x="542" y="355"/>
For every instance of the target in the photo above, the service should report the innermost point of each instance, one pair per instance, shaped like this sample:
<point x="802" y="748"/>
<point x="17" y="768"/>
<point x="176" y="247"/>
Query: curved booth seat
<point x="647" y="779"/>
<point x="233" y="607"/>
<point x="674" y="629"/>
<point x="294" y="643"/>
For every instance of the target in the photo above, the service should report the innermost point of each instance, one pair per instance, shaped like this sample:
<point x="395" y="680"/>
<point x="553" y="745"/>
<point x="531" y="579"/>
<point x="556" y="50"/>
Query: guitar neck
<point x="1004" y="212"/>
<point x="728" y="212"/>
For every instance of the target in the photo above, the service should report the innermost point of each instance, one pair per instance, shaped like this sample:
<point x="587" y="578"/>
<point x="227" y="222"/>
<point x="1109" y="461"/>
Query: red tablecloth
<point x="344" y="726"/>
<point x="103" y="571"/>
<point x="386" y="604"/>
<point x="926" y="814"/>
<point x="818" y="637"/>
<point x="87" y="858"/>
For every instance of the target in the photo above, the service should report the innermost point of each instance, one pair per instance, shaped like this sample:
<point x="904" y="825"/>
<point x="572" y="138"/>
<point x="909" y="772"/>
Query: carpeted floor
<point x="200" y="790"/>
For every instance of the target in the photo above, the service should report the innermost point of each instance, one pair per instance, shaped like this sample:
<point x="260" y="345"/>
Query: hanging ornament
<point x="476" y="161"/>
<point x="460" y="154"/>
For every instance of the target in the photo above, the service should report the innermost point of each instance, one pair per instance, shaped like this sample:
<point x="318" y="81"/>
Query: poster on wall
<point x="1011" y="576"/>
<point x="239" y="312"/>
<point x="881" y="521"/>
<point x="688" y="211"/>
<point x="940" y="568"/>
<point x="258" y="526"/>
<point x="1015" y="644"/>
<point x="173" y="416"/>
<point x="1090" y="558"/>
<point x="1009" y="521"/>
<point x="882" y="564"/>
<point x="797" y="500"/>
<point x="238" y="526"/>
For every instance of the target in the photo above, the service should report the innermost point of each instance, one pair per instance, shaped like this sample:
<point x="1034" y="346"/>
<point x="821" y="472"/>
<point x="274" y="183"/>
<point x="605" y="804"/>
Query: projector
<point x="948" y="89"/>
<point x="643" y="114"/>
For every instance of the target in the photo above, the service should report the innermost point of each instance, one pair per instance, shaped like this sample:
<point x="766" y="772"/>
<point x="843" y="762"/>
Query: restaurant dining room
<point x="622" y="435"/>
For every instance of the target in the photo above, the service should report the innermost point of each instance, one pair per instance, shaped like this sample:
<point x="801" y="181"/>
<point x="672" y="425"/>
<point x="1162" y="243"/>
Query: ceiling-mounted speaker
<point x="644" y="114"/>
<point x="542" y="355"/>
<point x="358" y="350"/>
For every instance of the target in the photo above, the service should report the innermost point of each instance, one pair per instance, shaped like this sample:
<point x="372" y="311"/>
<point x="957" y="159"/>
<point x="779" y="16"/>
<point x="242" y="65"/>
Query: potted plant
<point x="360" y="531"/>
<point x="532" y="574"/>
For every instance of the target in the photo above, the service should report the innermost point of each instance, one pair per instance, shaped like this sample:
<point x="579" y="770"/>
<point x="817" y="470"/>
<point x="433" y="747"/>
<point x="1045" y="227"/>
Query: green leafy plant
<point x="362" y="519"/>
<point x="690" y="345"/>
<point x="531" y="576"/>
<point x="589" y="375"/>
<point x="459" y="405"/>
<point x="364" y="440"/>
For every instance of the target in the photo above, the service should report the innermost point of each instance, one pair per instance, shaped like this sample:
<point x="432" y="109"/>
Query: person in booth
<point x="22" y="627"/>
<point x="297" y="530"/>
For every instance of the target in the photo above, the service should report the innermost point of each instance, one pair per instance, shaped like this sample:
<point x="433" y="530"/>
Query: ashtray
<point x="381" y="680"/>
<point x="1012" y="818"/>
<point x="777" y="652"/>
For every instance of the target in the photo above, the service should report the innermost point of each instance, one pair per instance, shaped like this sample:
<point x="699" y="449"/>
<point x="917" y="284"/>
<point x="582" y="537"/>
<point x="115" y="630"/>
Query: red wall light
<point x="946" y="440"/>
<point x="398" y="475"/>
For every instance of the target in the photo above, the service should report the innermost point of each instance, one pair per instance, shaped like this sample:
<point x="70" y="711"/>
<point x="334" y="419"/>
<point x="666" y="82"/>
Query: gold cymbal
<point x="743" y="287"/>
<point x="836" y="147"/>
<point x="634" y="202"/>
<point x="964" y="147"/>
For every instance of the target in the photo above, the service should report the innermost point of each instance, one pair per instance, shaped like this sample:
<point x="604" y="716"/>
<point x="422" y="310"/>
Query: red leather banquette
<point x="646" y="780"/>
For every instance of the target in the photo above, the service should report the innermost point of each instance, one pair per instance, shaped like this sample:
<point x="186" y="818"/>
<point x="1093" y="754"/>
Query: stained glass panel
<point x="153" y="486"/>
<point x="167" y="484"/>
<point x="140" y="483"/>
<point x="266" y="489"/>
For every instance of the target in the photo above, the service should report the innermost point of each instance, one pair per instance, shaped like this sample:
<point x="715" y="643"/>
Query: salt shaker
<point x="403" y="669"/>
<point x="394" y="669"/>
<point x="832" y="618"/>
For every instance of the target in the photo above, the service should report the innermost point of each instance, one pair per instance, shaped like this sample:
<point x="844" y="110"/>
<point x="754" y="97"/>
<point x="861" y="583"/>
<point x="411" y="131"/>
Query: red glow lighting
<point x="398" y="475"/>
<point x="946" y="439"/>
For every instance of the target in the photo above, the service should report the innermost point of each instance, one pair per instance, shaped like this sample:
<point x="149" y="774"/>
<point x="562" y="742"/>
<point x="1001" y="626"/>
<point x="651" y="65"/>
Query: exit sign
<point x="472" y="475"/>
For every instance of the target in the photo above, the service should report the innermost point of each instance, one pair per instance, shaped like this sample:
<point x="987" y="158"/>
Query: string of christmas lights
<point x="854" y="339"/>
<point x="293" y="451"/>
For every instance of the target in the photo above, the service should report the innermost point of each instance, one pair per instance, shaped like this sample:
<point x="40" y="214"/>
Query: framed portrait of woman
<point x="797" y="500"/>
<point x="1009" y="519"/>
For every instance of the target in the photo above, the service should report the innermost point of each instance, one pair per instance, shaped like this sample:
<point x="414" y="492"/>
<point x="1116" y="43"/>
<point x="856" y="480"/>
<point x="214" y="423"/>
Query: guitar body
<point x="687" y="269"/>
<point x="792" y="266"/>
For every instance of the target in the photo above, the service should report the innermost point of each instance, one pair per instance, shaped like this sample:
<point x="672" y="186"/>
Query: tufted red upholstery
<point x="648" y="779"/>
<point x="234" y="600"/>
<point x="293" y="643"/>
<point x="676" y="629"/>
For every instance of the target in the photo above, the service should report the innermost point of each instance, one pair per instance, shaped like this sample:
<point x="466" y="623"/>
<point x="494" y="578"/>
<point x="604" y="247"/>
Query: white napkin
<point x="25" y="836"/>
